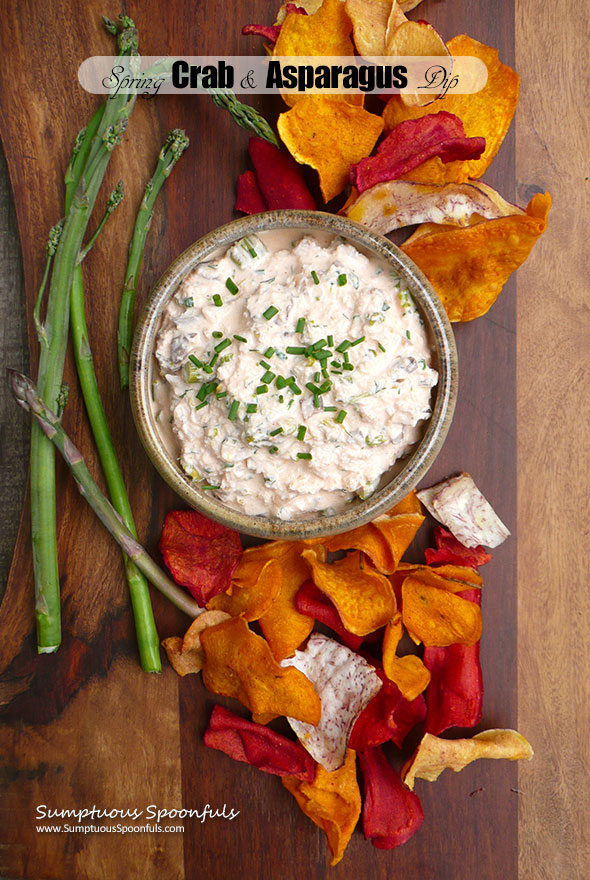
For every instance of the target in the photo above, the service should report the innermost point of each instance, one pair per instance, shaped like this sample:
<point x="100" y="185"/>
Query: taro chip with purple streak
<point x="459" y="505"/>
<point x="345" y="684"/>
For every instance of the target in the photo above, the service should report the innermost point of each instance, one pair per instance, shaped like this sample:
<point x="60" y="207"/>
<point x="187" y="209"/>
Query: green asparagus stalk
<point x="175" y="145"/>
<point x="27" y="395"/>
<point x="245" y="116"/>
<point x="53" y="339"/>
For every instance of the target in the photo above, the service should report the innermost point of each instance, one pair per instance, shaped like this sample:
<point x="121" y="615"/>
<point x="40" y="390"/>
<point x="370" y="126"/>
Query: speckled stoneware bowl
<point x="402" y="476"/>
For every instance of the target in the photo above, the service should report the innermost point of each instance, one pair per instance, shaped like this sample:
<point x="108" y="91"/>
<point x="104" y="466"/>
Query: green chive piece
<point x="295" y="349"/>
<point x="201" y="405"/>
<point x="408" y="334"/>
<point x="217" y="334"/>
<point x="268" y="377"/>
<point x="195" y="360"/>
<point x="381" y="346"/>
<point x="293" y="386"/>
<point x="202" y="392"/>
<point x="300" y="325"/>
<point x="301" y="432"/>
<point x="275" y="432"/>
<point x="217" y="300"/>
<point x="273" y="449"/>
<point x="264" y="364"/>
<point x="222" y="345"/>
<point x="348" y="367"/>
<point x="231" y="286"/>
<point x="207" y="486"/>
<point x="322" y="355"/>
<point x="343" y="346"/>
<point x="325" y="374"/>
<point x="306" y="456"/>
<point x="213" y="360"/>
<point x="316" y="401"/>
<point x="316" y="377"/>
<point x="336" y="372"/>
<point x="319" y="344"/>
<point x="262" y="389"/>
<point x="314" y="275"/>
<point x="313" y="388"/>
<point x="325" y="387"/>
<point x="358" y="341"/>
<point x="335" y="364"/>
<point x="330" y="341"/>
<point x="233" y="410"/>
<point x="342" y="279"/>
<point x="270" y="312"/>
<point x="281" y="382"/>
<point x="346" y="357"/>
<point x="341" y="416"/>
<point x="189" y="302"/>
<point x="207" y="368"/>
<point x="330" y="408"/>
<point x="239" y="338"/>
<point x="269" y="352"/>
<point x="252" y="408"/>
<point x="221" y="394"/>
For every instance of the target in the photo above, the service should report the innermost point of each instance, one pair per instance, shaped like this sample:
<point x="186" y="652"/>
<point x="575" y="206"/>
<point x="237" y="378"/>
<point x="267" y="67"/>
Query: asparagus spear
<point x="245" y="116"/>
<point x="27" y="395"/>
<point x="176" y="144"/>
<point x="52" y="340"/>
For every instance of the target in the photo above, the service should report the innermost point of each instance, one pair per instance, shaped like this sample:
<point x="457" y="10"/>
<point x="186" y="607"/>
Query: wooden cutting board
<point x="85" y="726"/>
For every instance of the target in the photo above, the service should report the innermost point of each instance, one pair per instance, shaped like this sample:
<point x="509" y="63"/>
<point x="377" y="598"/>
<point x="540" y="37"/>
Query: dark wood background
<point x="86" y="726"/>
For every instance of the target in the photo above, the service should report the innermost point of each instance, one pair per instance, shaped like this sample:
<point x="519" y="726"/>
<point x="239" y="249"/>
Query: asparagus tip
<point x="109" y="25"/>
<point x="20" y="386"/>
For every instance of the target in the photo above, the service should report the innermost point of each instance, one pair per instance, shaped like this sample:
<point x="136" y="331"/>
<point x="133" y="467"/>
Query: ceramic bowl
<point x="395" y="483"/>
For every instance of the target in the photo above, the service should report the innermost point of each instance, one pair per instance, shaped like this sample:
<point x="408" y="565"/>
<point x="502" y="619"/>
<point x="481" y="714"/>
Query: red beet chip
<point x="312" y="602"/>
<point x="257" y="745"/>
<point x="450" y="551"/>
<point x="201" y="554"/>
<point x="270" y="32"/>
<point x="248" y="196"/>
<point x="455" y="694"/>
<point x="279" y="177"/>
<point x="389" y="716"/>
<point x="412" y="142"/>
<point x="391" y="812"/>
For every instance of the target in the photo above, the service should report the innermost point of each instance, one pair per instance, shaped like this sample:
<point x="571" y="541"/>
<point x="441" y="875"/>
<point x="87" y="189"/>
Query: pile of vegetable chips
<point x="419" y="163"/>
<point x="355" y="648"/>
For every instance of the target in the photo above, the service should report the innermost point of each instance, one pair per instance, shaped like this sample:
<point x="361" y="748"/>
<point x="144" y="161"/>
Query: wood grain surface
<point x="86" y="726"/>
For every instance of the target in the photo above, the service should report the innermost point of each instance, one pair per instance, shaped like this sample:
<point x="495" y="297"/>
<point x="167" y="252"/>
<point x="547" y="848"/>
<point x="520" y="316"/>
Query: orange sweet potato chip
<point x="332" y="801"/>
<point x="330" y="135"/>
<point x="409" y="504"/>
<point x="239" y="664"/>
<point x="436" y="617"/>
<point x="487" y="113"/>
<point x="435" y="755"/>
<point x="454" y="578"/>
<point x="364" y="597"/>
<point x="186" y="655"/>
<point x="468" y="267"/>
<point x="409" y="673"/>
<point x="384" y="540"/>
<point x="255" y="586"/>
<point x="284" y="627"/>
<point x="324" y="32"/>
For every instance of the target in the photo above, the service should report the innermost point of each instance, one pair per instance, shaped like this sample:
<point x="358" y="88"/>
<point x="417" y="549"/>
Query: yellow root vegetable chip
<point x="397" y="203"/>
<point x="186" y="655"/>
<point x="454" y="578"/>
<point x="332" y="801"/>
<point x="369" y="22"/>
<point x="436" y="617"/>
<point x="468" y="267"/>
<point x="283" y="626"/>
<point x="435" y="755"/>
<point x="255" y="585"/>
<point x="330" y="135"/>
<point x="384" y="540"/>
<point x="239" y="664"/>
<point x="409" y="673"/>
<point x="363" y="597"/>
<point x="487" y="113"/>
<point x="324" y="32"/>
<point x="409" y="504"/>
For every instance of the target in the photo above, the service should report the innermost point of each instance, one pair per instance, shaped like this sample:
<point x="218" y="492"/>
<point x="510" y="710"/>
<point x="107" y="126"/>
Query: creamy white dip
<point x="295" y="376"/>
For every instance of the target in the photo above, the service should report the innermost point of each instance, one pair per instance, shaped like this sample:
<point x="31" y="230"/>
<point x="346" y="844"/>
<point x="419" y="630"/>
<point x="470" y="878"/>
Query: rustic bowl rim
<point x="358" y="511"/>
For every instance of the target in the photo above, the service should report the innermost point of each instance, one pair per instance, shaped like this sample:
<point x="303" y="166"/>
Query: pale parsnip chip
<point x="186" y="655"/>
<point x="459" y="505"/>
<point x="369" y="23"/>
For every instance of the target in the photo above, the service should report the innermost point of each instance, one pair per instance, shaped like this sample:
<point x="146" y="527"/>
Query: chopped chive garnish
<point x="281" y="382"/>
<point x="335" y="364"/>
<point x="316" y="401"/>
<point x="217" y="299"/>
<point x="273" y="449"/>
<point x="231" y="286"/>
<point x="322" y="355"/>
<point x="343" y="346"/>
<point x="330" y="341"/>
<point x="325" y="374"/>
<point x="262" y="389"/>
<point x="381" y="346"/>
<point x="207" y="368"/>
<point x="358" y="341"/>
<point x="346" y="357"/>
<point x="275" y="432"/>
<point x="239" y="338"/>
<point x="281" y="398"/>
<point x="222" y="345"/>
<point x="330" y="408"/>
<point x="300" y="325"/>
<point x="268" y="377"/>
<point x="408" y="334"/>
<point x="209" y="487"/>
<point x="217" y="334"/>
<point x="251" y="250"/>
<point x="313" y="388"/>
<point x="341" y="416"/>
<point x="316" y="377"/>
<point x="251" y="407"/>
<point x="348" y="367"/>
<point x="213" y="360"/>
<point x="325" y="386"/>
<point x="314" y="275"/>
<point x="189" y="302"/>
<point x="270" y="312"/>
<point x="202" y="392"/>
<point x="342" y="279"/>
<point x="293" y="385"/>
<point x="269" y="352"/>
<point x="319" y="344"/>
<point x="195" y="360"/>
<point x="336" y="372"/>
<point x="295" y="349"/>
<point x="221" y="394"/>
<point x="301" y="432"/>
<point x="233" y="410"/>
<point x="304" y="455"/>
<point x="201" y="405"/>
<point x="264" y="364"/>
